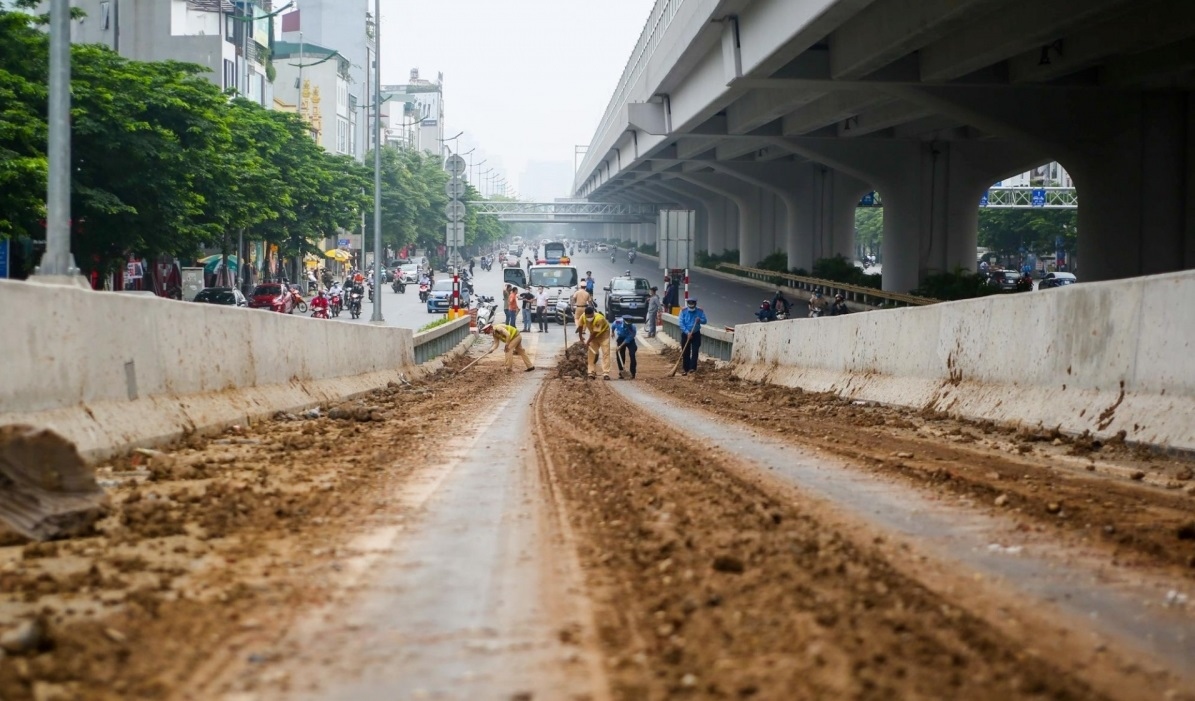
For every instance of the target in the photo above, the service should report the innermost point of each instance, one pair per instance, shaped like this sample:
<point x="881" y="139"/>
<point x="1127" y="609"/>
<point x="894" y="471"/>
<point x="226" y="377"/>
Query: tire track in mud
<point x="707" y="586"/>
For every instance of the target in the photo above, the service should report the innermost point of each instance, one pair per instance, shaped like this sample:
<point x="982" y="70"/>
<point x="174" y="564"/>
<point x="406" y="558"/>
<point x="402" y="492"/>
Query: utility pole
<point x="377" y="164"/>
<point x="57" y="260"/>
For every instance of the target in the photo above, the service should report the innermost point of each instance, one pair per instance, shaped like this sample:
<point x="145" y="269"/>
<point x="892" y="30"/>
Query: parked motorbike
<point x="355" y="304"/>
<point x="335" y="304"/>
<point x="299" y="303"/>
<point x="486" y="309"/>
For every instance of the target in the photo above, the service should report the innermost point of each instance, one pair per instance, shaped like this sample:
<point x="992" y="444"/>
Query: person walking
<point x="512" y="305"/>
<point x="589" y="283"/>
<point x="541" y="308"/>
<point x="526" y="299"/>
<point x="599" y="340"/>
<point x="692" y="318"/>
<point x="580" y="300"/>
<point x="653" y="312"/>
<point x="624" y="336"/>
<point x="505" y="333"/>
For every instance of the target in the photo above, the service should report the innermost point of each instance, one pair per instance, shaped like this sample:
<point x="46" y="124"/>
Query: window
<point x="105" y="15"/>
<point x="230" y="74"/>
<point x="342" y="135"/>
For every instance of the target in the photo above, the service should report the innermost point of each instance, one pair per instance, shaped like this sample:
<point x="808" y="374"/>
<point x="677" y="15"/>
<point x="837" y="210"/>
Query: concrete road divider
<point x="1100" y="357"/>
<point x="109" y="371"/>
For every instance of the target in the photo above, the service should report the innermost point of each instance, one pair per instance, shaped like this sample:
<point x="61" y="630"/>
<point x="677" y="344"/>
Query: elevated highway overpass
<point x="771" y="118"/>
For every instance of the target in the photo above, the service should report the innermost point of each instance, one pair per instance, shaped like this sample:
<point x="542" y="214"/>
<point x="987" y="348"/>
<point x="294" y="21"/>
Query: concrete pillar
<point x="775" y="180"/>
<point x="930" y="192"/>
<point x="745" y="197"/>
<point x="710" y="235"/>
<point x="1131" y="153"/>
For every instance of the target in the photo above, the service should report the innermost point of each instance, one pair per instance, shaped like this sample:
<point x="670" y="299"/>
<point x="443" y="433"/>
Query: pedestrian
<point x="471" y="262"/>
<point x="580" y="300"/>
<point x="692" y="319"/>
<point x="653" y="312"/>
<point x="624" y="336"/>
<point x="505" y="333"/>
<point x="541" y="308"/>
<point x="512" y="305"/>
<point x="599" y="340"/>
<point x="526" y="299"/>
<point x="589" y="282"/>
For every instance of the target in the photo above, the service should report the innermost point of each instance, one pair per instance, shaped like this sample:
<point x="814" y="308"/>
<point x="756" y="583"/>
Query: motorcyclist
<point x="839" y="307"/>
<point x="780" y="303"/>
<point x="765" y="313"/>
<point x="613" y="256"/>
<point x="817" y="304"/>
<point x="319" y="302"/>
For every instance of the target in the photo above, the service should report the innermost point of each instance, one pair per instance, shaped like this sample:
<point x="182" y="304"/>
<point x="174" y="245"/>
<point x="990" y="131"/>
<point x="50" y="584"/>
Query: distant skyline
<point x="527" y="80"/>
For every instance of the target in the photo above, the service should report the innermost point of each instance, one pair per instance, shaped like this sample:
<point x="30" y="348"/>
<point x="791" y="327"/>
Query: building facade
<point x="217" y="34"/>
<point x="419" y="124"/>
<point x="314" y="81"/>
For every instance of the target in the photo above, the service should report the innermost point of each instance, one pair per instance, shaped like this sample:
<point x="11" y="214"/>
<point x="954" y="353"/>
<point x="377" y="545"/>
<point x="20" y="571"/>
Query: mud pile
<point x="574" y="363"/>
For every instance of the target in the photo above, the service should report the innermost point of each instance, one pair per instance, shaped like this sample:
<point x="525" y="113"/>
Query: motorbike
<point x="814" y="312"/>
<point x="423" y="292"/>
<point x="355" y="304"/>
<point x="319" y="313"/>
<point x="299" y="303"/>
<point x="613" y="257"/>
<point x="371" y="292"/>
<point x="335" y="304"/>
<point x="486" y="309"/>
<point x="630" y="256"/>
<point x="398" y="285"/>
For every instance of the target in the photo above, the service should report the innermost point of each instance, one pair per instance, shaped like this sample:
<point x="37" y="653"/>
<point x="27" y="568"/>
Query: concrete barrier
<point x="715" y="343"/>
<point x="109" y="371"/>
<point x="1099" y="357"/>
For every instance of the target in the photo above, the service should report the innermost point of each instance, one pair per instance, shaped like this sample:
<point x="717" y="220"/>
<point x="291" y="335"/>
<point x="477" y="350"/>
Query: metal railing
<point x="1009" y="198"/>
<point x="657" y="23"/>
<point x="568" y="211"/>
<point x="430" y="345"/>
<point x="852" y="293"/>
<point x="715" y="343"/>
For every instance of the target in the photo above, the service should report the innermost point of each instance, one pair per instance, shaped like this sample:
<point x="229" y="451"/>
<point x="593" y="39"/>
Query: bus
<point x="553" y="252"/>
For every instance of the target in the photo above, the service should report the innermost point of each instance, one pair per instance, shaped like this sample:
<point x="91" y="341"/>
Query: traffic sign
<point x="455" y="234"/>
<point x="455" y="211"/>
<point x="1038" y="198"/>
<point x="983" y="199"/>
<point x="4" y="273"/>
<point x="868" y="200"/>
<point x="455" y="165"/>
<point x="455" y="188"/>
<point x="342" y="242"/>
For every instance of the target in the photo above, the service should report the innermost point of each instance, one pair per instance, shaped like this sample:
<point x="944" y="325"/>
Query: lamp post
<point x="444" y="144"/>
<point x="377" y="163"/>
<point x="57" y="260"/>
<point x="475" y="178"/>
<point x="481" y="180"/>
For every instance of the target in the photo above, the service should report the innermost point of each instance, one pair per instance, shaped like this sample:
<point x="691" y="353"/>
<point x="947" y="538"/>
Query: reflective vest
<point x="510" y="331"/>
<point x="598" y="324"/>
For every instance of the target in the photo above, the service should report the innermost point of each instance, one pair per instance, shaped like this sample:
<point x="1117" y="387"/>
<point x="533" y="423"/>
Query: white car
<point x="601" y="247"/>
<point x="510" y="261"/>
<point x="409" y="272"/>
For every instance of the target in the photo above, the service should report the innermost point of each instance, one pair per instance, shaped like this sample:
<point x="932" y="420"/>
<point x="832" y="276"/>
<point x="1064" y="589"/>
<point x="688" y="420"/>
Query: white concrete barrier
<point x="1099" y="357"/>
<point x="109" y="370"/>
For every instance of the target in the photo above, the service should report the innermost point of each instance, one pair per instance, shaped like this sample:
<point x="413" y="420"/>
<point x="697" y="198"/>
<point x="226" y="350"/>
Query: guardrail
<point x="430" y="345"/>
<point x="715" y="343"/>
<point x="852" y="293"/>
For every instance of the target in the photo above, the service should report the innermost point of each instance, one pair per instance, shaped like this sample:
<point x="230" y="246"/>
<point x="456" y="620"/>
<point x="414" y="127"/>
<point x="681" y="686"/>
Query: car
<point x="627" y="296"/>
<point x="1057" y="280"/>
<point x="439" y="298"/>
<point x="409" y="272"/>
<point x="272" y="296"/>
<point x="510" y="260"/>
<point x="224" y="296"/>
<point x="601" y="248"/>
<point x="1006" y="280"/>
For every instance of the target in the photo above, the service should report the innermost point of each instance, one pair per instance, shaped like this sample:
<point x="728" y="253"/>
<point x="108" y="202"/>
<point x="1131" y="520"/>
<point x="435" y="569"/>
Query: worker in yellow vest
<point x="505" y="333"/>
<point x="599" y="340"/>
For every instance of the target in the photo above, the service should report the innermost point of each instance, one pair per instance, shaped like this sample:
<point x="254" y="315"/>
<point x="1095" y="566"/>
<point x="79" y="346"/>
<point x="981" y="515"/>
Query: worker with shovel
<point x="624" y="336"/>
<point x="691" y="320"/>
<point x="505" y="333"/>
<point x="599" y="340"/>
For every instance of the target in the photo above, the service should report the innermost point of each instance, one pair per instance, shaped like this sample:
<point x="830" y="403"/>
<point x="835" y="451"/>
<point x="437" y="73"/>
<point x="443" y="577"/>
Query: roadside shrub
<point x="433" y="324"/>
<point x="839" y="269"/>
<point x="777" y="261"/>
<point x="648" y="249"/>
<point x="960" y="284"/>
<point x="703" y="259"/>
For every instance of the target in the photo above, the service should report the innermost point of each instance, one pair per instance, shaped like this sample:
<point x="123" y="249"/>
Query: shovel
<point x="475" y="361"/>
<point x="618" y="359"/>
<point x="681" y="359"/>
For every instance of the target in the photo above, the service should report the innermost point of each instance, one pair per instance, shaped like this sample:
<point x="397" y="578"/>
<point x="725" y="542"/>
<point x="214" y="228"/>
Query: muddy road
<point x="539" y="536"/>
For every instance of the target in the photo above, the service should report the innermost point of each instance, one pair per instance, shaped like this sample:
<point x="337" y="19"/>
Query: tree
<point x="869" y="228"/>
<point x="23" y="95"/>
<point x="1007" y="231"/>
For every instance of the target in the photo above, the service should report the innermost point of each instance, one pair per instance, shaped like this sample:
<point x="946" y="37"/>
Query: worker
<point x="624" y="336"/>
<point x="580" y="300"/>
<point x="505" y="333"/>
<point x="599" y="340"/>
<point x="692" y="318"/>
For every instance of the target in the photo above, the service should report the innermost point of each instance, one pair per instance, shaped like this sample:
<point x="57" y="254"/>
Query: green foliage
<point x="648" y="249"/>
<point x="960" y="284"/>
<point x="703" y="259"/>
<point x="776" y="261"/>
<point x="433" y="324"/>
<point x="1005" y="231"/>
<point x="869" y="228"/>
<point x="839" y="269"/>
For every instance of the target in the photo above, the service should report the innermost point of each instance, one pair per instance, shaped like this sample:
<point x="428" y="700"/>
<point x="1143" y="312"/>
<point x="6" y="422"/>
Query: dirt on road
<point x="710" y="585"/>
<point x="213" y="545"/>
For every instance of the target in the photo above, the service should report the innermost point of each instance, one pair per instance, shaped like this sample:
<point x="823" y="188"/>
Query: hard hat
<point x="487" y="328"/>
<point x="692" y="301"/>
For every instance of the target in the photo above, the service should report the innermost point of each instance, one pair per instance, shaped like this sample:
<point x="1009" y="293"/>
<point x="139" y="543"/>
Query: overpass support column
<point x="930" y="192"/>
<point x="746" y="198"/>
<point x="1132" y="156"/>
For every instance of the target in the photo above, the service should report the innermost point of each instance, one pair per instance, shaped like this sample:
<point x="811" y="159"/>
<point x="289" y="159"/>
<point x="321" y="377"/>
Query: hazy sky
<point x="525" y="79"/>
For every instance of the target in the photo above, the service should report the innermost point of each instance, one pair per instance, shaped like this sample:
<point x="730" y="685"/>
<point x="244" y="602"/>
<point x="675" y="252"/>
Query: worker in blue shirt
<point x="691" y="321"/>
<point x="624" y="336"/>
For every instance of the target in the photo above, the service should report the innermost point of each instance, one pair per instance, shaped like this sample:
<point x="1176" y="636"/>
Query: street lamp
<point x="481" y="179"/>
<point x="445" y="141"/>
<point x="477" y="177"/>
<point x="377" y="163"/>
<point x="57" y="260"/>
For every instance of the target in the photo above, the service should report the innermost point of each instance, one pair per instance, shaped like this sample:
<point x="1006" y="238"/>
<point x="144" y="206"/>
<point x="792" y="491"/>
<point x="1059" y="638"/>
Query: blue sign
<point x="1039" y="198"/>
<point x="869" y="200"/>
<point x="4" y="259"/>
<point x="983" y="199"/>
<point x="342" y="242"/>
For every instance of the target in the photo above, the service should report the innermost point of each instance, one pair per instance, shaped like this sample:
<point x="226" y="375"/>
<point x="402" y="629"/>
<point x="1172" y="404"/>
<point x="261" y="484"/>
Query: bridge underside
<point x="771" y="118"/>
